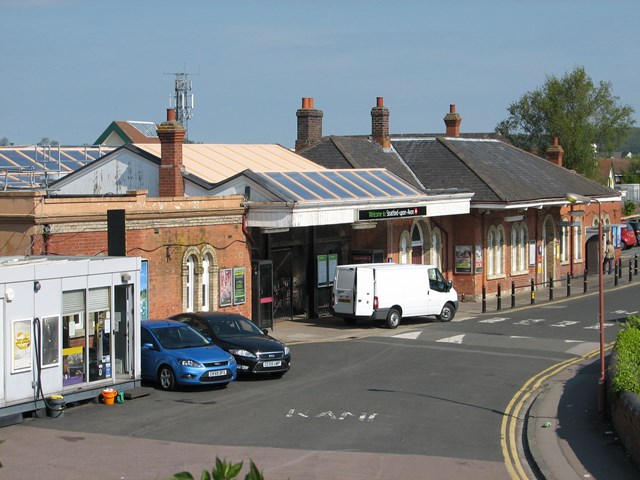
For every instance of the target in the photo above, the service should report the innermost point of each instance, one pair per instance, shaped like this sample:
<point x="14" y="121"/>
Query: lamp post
<point x="602" y="394"/>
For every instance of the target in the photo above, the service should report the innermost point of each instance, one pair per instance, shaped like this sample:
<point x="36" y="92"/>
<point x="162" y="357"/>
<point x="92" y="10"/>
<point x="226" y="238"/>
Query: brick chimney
<point x="171" y="134"/>
<point x="380" y="124"/>
<point x="309" y="125"/>
<point x="555" y="152"/>
<point x="452" y="120"/>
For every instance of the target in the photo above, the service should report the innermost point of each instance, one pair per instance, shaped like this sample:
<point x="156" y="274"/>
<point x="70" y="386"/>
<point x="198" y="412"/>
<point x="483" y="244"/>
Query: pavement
<point x="563" y="436"/>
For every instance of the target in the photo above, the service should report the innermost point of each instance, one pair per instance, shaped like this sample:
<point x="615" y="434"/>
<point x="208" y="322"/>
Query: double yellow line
<point x="508" y="438"/>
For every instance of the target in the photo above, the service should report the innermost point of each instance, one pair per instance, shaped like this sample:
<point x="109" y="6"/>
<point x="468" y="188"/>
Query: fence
<point x="551" y="285"/>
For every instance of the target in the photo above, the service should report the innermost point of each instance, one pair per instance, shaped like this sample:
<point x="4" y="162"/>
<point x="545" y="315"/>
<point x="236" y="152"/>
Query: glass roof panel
<point x="336" y="177"/>
<point x="388" y="183"/>
<point x="334" y="188"/>
<point x="309" y="180"/>
<point x="297" y="191"/>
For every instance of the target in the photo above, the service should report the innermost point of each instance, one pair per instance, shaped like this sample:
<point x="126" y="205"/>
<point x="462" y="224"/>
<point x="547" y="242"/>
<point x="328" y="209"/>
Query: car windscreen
<point x="234" y="327"/>
<point x="179" y="336"/>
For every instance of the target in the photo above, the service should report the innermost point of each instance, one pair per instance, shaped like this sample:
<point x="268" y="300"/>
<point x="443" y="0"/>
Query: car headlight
<point x="242" y="353"/>
<point x="232" y="359"/>
<point x="190" y="363"/>
<point x="286" y="351"/>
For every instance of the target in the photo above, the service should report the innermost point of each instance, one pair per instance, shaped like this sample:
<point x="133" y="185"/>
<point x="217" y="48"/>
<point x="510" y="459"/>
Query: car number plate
<point x="275" y="363"/>
<point x="217" y="373"/>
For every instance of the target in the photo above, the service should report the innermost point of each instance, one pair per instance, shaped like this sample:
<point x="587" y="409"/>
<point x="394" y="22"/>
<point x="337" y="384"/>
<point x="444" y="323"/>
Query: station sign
<point x="390" y="213"/>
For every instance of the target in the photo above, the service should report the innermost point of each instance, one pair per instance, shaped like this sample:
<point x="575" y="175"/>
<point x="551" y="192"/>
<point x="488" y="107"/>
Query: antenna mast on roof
<point x="182" y="100"/>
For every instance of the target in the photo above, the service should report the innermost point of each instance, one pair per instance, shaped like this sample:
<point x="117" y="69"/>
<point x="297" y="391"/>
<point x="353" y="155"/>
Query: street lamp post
<point x="602" y="393"/>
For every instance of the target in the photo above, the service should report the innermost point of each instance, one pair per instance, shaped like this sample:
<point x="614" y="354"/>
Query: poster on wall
<point x="477" y="259"/>
<point x="50" y="341"/>
<point x="21" y="346"/>
<point x="226" y="287"/>
<point x="463" y="259"/>
<point x="321" y="261"/>
<point x="333" y="263"/>
<point x="239" y="286"/>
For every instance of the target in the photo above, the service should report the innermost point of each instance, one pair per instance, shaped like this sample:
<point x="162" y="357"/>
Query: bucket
<point x="55" y="406"/>
<point x="109" y="395"/>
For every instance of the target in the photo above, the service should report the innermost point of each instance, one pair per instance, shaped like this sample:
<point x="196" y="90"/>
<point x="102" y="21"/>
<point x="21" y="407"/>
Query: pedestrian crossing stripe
<point x="494" y="320"/>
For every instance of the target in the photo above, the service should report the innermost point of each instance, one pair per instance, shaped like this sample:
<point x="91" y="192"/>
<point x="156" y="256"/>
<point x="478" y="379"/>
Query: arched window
<point x="190" y="287"/>
<point x="436" y="248"/>
<point x="499" y="256"/>
<point x="416" y="244"/>
<point x="206" y="283"/>
<point x="491" y="240"/>
<point x="404" y="247"/>
<point x="495" y="251"/>
<point x="577" y="240"/>
<point x="519" y="247"/>
<point x="564" y="242"/>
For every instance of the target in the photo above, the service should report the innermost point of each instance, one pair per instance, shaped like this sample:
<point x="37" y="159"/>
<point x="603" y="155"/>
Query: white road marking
<point x="564" y="323"/>
<point x="530" y="321"/>
<point x="597" y="326"/>
<point x="364" y="416"/>
<point x="518" y="336"/>
<point x="493" y="320"/>
<point x="409" y="335"/>
<point x="454" y="339"/>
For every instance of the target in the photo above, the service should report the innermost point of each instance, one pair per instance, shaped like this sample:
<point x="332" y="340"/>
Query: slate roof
<point x="130" y="132"/>
<point x="497" y="172"/>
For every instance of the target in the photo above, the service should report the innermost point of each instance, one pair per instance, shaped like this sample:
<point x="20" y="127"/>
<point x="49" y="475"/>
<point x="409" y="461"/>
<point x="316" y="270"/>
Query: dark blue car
<point x="175" y="354"/>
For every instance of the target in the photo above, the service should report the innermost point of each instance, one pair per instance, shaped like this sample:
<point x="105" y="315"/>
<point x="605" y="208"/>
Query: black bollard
<point x="584" y="290"/>
<point x="533" y="293"/>
<point x="550" y="288"/>
<point x="499" y="298"/>
<point x="484" y="299"/>
<point x="615" y="275"/>
<point x="513" y="294"/>
<point x="568" y="285"/>
<point x="630" y="272"/>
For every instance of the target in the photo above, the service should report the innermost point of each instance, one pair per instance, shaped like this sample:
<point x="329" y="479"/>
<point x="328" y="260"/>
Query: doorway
<point x="122" y="328"/>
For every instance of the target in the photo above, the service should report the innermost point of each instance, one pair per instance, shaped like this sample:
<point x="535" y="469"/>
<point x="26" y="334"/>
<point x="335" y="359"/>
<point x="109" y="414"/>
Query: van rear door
<point x="363" y="296"/>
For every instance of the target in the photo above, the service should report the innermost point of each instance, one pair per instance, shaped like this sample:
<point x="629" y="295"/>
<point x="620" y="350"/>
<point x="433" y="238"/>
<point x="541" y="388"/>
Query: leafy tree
<point x="48" y="141"/>
<point x="632" y="173"/>
<point x="575" y="110"/>
<point x="4" y="142"/>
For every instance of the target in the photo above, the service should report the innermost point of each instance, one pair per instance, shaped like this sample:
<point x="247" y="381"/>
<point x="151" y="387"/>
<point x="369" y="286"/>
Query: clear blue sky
<point x="70" y="67"/>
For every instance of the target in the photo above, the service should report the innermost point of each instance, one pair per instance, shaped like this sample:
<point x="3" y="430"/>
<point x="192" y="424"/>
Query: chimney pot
<point x="555" y="140"/>
<point x="380" y="101"/>
<point x="171" y="114"/>
<point x="309" y="125"/>
<point x="452" y="120"/>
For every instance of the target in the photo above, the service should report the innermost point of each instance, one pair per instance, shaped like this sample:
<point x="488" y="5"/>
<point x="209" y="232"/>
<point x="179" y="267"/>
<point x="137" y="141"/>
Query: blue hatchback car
<point x="175" y="354"/>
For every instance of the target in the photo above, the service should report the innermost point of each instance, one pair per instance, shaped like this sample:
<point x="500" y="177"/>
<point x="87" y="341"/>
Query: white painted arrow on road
<point x="454" y="339"/>
<point x="409" y="335"/>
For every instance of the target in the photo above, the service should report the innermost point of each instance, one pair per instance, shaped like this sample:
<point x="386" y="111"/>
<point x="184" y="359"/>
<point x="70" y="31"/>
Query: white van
<point x="389" y="291"/>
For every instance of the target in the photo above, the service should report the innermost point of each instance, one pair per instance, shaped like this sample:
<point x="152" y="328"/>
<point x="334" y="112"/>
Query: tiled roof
<point x="214" y="162"/>
<point x="495" y="171"/>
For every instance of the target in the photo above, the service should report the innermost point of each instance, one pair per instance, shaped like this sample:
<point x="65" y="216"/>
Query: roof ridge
<point x="343" y="151"/>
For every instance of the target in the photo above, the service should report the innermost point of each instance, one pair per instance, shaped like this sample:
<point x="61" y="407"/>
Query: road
<point x="427" y="397"/>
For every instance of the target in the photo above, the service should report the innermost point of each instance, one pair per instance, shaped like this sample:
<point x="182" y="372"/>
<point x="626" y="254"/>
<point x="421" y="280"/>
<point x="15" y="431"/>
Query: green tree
<point x="576" y="111"/>
<point x="4" y="142"/>
<point x="48" y="141"/>
<point x="632" y="173"/>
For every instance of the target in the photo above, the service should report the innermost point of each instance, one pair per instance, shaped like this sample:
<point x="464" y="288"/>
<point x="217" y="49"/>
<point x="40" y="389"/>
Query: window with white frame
<point x="564" y="242"/>
<point x="495" y="252"/>
<point x="206" y="283"/>
<point x="518" y="247"/>
<point x="191" y="283"/>
<point x="577" y="240"/>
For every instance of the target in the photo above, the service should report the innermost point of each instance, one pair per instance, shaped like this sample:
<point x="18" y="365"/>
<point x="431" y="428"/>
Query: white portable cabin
<point x="70" y="326"/>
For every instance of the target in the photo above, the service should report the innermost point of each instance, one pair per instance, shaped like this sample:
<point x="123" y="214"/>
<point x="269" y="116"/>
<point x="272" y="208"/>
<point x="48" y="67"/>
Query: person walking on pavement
<point x="609" y="253"/>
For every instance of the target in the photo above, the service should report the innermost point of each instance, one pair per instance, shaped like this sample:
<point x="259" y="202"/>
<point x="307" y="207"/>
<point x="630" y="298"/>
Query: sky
<point x="71" y="67"/>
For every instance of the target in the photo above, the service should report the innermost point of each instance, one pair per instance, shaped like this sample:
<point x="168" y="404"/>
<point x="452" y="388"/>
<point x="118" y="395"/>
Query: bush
<point x="223" y="470"/>
<point x="627" y="374"/>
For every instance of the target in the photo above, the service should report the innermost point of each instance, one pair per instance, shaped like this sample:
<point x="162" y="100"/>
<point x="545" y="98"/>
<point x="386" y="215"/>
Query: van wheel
<point x="349" y="321"/>
<point x="393" y="318"/>
<point x="447" y="313"/>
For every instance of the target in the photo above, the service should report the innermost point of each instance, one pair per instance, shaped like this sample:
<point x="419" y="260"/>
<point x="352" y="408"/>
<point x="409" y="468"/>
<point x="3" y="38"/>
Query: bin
<point x="109" y="396"/>
<point x="55" y="406"/>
